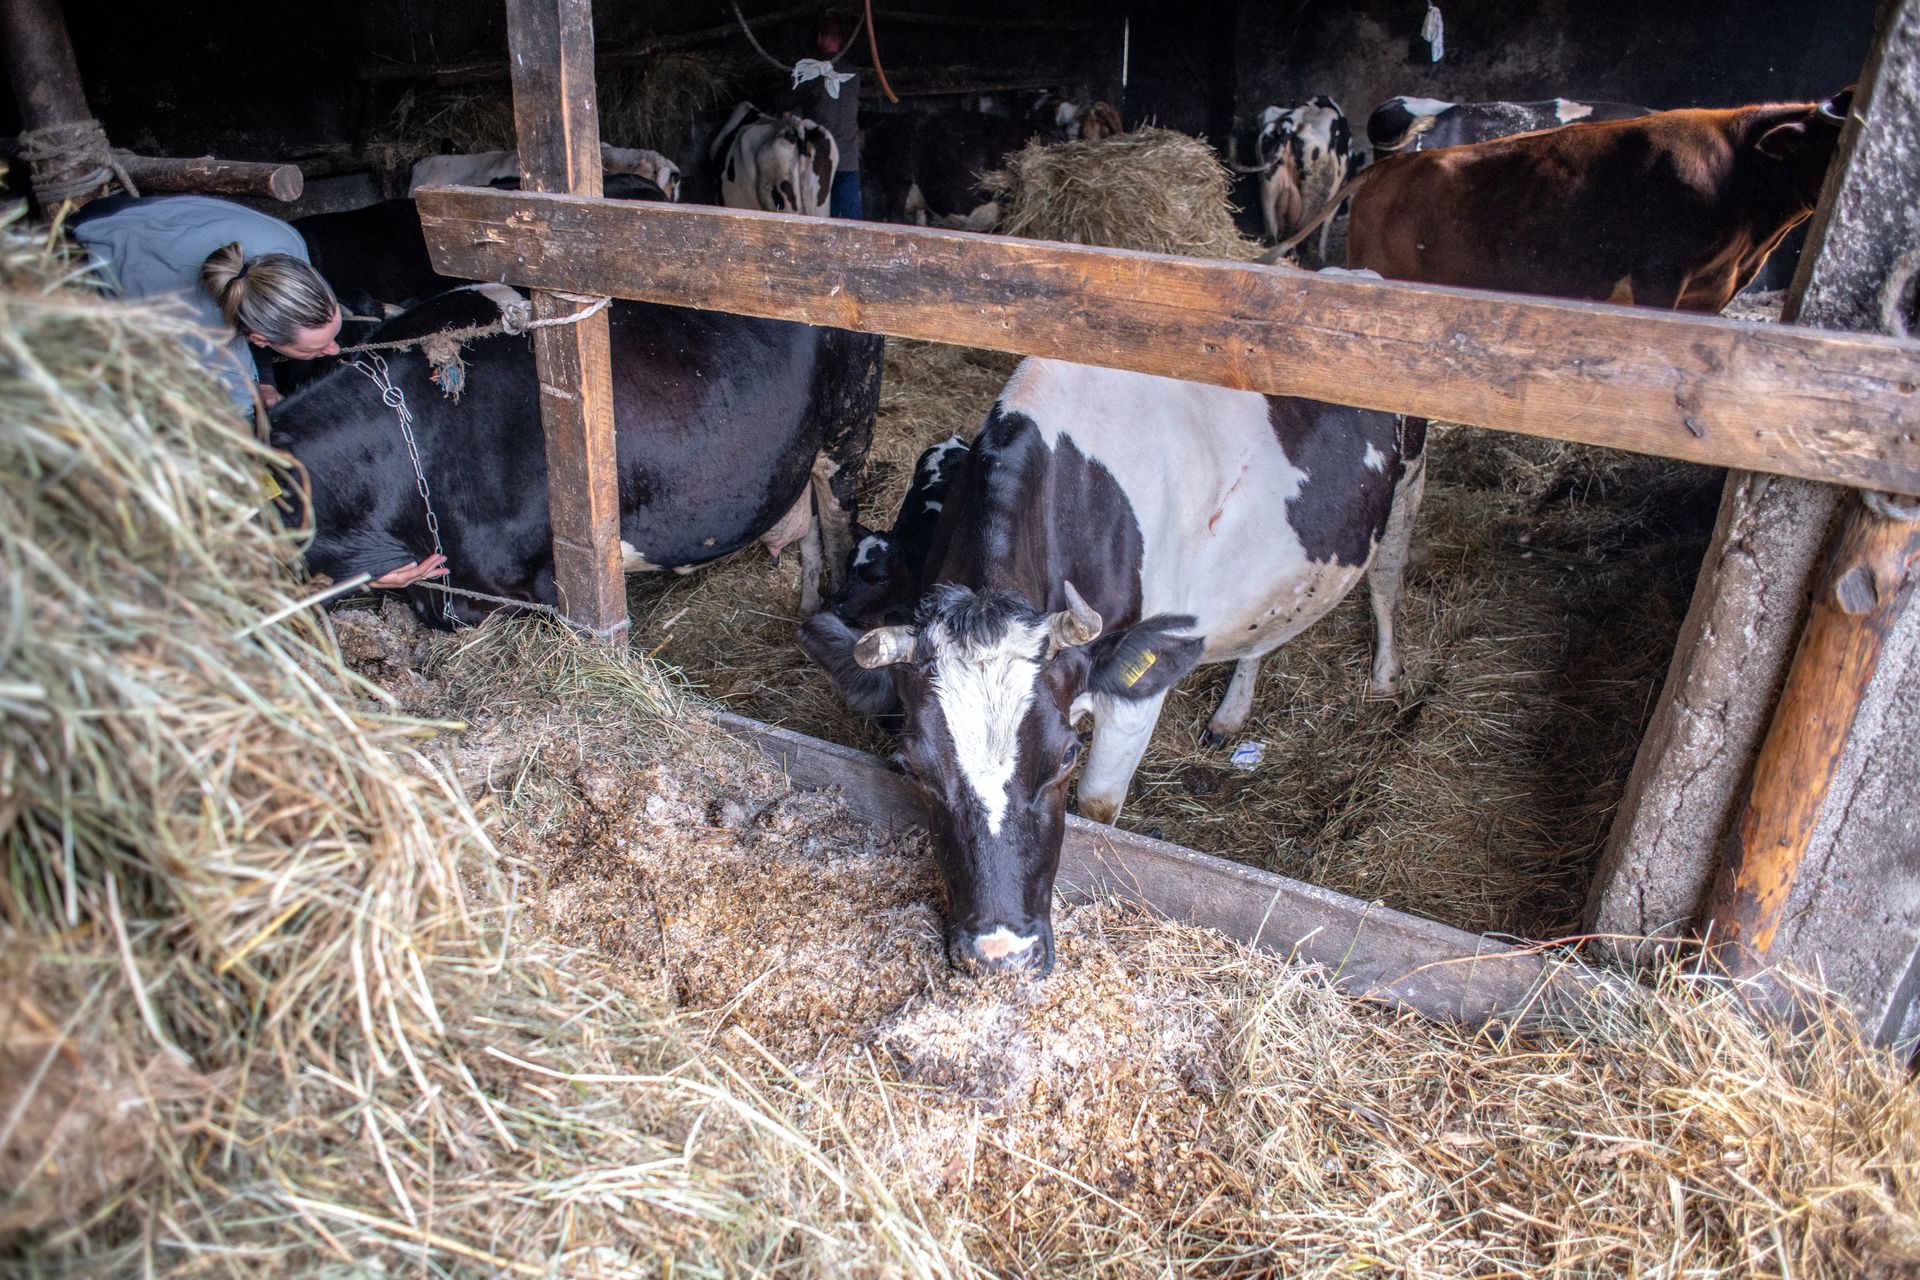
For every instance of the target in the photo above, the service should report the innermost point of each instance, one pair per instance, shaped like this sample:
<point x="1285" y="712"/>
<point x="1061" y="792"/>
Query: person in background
<point x="837" y="114"/>
<point x="240" y="272"/>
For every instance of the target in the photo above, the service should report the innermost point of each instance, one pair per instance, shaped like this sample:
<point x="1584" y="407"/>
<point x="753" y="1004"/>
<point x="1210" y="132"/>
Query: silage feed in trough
<point x="1153" y="190"/>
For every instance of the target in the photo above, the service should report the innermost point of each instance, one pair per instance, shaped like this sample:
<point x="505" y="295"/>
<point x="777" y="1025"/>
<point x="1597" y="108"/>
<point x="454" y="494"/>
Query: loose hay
<point x="1154" y="190"/>
<point x="680" y="1018"/>
<point x="1167" y="1103"/>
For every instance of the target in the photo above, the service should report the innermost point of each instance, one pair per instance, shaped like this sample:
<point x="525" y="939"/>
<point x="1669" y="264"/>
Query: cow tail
<point x="1347" y="189"/>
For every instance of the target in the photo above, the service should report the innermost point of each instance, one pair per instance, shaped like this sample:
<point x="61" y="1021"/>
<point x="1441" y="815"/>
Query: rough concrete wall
<point x="1854" y="912"/>
<point x="1647" y="51"/>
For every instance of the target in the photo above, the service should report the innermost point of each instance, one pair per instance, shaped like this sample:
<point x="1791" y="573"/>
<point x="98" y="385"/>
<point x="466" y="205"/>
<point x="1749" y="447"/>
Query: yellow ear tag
<point x="1139" y="667"/>
<point x="271" y="487"/>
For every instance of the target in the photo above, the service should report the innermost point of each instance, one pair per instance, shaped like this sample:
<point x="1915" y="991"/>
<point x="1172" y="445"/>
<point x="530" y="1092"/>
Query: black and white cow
<point x="1109" y="531"/>
<point x="883" y="576"/>
<point x="486" y="168"/>
<point x="727" y="427"/>
<point x="1428" y="124"/>
<point x="780" y="164"/>
<point x="1303" y="155"/>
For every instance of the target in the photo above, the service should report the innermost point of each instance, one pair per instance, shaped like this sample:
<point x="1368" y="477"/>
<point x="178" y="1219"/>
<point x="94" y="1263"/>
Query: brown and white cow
<point x="1678" y="209"/>
<point x="1109" y="531"/>
<point x="780" y="164"/>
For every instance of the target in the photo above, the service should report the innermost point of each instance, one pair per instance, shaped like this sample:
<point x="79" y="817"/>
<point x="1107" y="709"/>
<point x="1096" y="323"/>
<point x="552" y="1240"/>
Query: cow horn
<point x="1077" y="624"/>
<point x="884" y="646"/>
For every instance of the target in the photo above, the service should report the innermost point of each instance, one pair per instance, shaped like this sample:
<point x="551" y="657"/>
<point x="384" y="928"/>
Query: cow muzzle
<point x="1003" y="949"/>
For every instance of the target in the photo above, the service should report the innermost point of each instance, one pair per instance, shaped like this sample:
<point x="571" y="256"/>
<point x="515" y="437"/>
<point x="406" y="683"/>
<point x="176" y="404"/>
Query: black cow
<point x="883" y="577"/>
<point x="727" y="427"/>
<point x="1109" y="531"/>
<point x="1428" y="124"/>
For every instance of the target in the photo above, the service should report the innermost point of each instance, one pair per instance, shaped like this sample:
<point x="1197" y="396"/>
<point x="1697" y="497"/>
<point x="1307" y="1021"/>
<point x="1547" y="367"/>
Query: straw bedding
<point x="518" y="970"/>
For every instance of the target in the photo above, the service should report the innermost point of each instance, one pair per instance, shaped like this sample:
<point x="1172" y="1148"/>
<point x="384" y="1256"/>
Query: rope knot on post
<point x="71" y="160"/>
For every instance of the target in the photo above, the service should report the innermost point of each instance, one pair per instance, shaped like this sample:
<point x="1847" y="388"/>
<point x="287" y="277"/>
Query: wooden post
<point x="1853" y="609"/>
<point x="550" y="46"/>
<point x="46" y="83"/>
<point x="157" y="175"/>
<point x="1864" y="228"/>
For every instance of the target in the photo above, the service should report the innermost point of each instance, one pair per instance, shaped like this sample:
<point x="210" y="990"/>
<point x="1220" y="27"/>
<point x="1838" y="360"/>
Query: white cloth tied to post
<point x="820" y="69"/>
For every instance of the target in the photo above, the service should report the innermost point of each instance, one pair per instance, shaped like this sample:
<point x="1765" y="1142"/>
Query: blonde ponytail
<point x="274" y="295"/>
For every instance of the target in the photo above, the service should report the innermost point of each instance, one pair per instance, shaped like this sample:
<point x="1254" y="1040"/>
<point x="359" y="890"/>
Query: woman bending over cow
<point x="240" y="273"/>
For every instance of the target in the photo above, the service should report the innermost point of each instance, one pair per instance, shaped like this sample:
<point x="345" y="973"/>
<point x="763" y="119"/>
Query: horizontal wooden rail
<point x="1371" y="951"/>
<point x="1840" y="407"/>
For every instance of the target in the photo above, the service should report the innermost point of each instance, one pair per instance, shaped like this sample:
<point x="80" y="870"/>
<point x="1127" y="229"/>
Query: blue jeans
<point x="844" y="200"/>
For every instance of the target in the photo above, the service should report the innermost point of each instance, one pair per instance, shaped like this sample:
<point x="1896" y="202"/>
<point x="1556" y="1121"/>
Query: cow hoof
<point x="1383" y="690"/>
<point x="1099" y="811"/>
<point x="1215" y="739"/>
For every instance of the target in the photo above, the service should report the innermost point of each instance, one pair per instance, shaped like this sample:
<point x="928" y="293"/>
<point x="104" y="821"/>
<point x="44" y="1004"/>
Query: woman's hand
<point x="434" y="566"/>
<point x="269" y="395"/>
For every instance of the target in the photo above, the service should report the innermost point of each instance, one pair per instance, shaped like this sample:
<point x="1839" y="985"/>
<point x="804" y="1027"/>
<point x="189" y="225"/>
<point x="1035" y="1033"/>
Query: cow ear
<point x="1145" y="660"/>
<point x="829" y="642"/>
<point x="1783" y="141"/>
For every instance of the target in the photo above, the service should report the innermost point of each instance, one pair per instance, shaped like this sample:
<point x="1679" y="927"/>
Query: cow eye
<point x="1069" y="758"/>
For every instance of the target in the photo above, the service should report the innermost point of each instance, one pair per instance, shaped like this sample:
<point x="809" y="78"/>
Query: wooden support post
<point x="1853" y="609"/>
<point x="46" y="83"/>
<point x="159" y="175"/>
<point x="550" y="46"/>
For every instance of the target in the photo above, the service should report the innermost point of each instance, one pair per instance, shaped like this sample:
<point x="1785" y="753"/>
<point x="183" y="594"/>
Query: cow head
<point x="880" y="581"/>
<point x="989" y="687"/>
<point x="1803" y="146"/>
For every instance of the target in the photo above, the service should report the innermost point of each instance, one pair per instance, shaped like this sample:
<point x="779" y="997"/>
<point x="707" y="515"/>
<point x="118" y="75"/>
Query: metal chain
<point x="396" y="400"/>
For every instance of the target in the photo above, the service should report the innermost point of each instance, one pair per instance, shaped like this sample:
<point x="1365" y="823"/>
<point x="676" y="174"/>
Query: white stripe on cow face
<point x="1374" y="459"/>
<point x="984" y="693"/>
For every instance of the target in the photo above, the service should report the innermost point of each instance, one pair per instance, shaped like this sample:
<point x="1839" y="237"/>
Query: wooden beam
<point x="1839" y="407"/>
<point x="550" y="45"/>
<point x="1371" y="951"/>
<point x="158" y="175"/>
<point x="1853" y="609"/>
<point x="40" y="64"/>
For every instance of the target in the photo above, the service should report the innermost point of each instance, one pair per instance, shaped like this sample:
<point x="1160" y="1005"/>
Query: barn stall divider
<point x="1840" y="408"/>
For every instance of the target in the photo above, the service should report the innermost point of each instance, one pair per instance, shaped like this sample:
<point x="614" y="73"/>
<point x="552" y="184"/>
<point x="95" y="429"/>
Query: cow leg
<point x="1122" y="727"/>
<point x="833" y="525"/>
<point x="1388" y="571"/>
<point x="810" y="570"/>
<point x="1237" y="705"/>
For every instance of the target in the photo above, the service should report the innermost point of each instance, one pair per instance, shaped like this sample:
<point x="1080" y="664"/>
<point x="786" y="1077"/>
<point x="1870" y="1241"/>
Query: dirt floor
<point x="1535" y="638"/>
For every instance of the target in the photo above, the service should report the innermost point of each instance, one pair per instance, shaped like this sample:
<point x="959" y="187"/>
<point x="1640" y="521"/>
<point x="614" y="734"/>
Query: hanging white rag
<point x="819" y="69"/>
<point x="1433" y="31"/>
